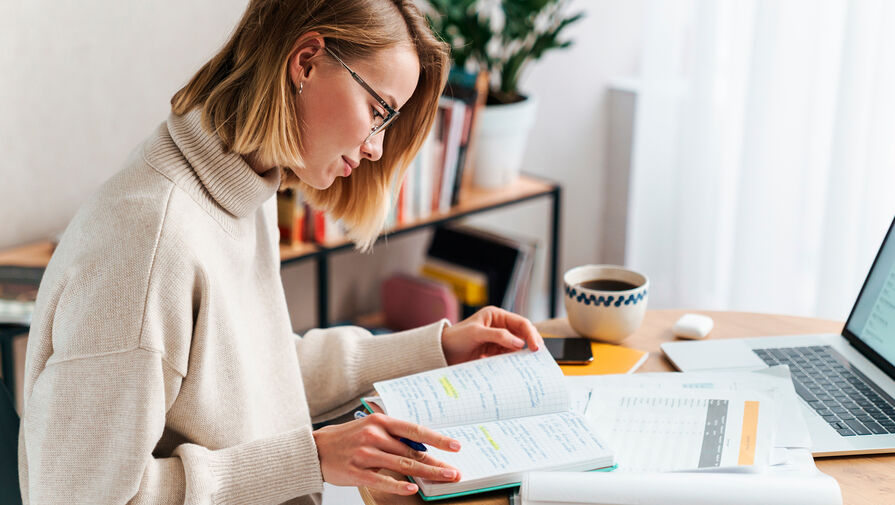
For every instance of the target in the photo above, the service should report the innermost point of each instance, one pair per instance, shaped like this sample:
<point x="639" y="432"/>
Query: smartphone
<point x="570" y="350"/>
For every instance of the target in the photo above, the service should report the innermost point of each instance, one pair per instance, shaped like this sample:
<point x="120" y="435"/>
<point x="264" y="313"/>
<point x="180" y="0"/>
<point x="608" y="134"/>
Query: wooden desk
<point x="865" y="480"/>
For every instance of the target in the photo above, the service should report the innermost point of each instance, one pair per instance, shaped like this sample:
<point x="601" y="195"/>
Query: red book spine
<point x="319" y="226"/>
<point x="401" y="196"/>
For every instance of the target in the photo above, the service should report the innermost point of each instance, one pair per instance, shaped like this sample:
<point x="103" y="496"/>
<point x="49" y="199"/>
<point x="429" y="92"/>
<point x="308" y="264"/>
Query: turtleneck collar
<point x="226" y="176"/>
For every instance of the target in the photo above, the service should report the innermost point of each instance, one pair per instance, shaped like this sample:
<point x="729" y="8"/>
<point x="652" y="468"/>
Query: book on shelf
<point x="299" y="223"/>
<point x="397" y="191"/>
<point x="433" y="180"/>
<point x="506" y="262"/>
<point x="422" y="175"/>
<point x="410" y="302"/>
<point x="406" y="211"/>
<point x="18" y="292"/>
<point x="325" y="228"/>
<point x="454" y="118"/>
<point x="469" y="286"/>
<point x="511" y="413"/>
<point x="291" y="217"/>
<point x="472" y="89"/>
<point x="523" y="290"/>
<point x="522" y="273"/>
<point x="439" y="152"/>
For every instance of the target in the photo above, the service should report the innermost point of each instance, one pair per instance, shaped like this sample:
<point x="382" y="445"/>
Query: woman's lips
<point x="347" y="166"/>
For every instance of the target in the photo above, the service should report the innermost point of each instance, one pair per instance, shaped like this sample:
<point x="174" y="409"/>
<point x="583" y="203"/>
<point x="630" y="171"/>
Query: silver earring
<point x="300" y="86"/>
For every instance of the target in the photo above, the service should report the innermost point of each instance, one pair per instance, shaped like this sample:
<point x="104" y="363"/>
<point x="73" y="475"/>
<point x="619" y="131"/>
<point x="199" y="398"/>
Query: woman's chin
<point x="320" y="183"/>
<point x="316" y="181"/>
<point x="330" y="181"/>
<point x="321" y="187"/>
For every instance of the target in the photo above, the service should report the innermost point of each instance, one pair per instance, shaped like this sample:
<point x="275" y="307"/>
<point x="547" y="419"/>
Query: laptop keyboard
<point x="842" y="395"/>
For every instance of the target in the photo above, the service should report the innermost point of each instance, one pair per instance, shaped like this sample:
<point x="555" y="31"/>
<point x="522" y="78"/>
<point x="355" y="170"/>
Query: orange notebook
<point x="608" y="359"/>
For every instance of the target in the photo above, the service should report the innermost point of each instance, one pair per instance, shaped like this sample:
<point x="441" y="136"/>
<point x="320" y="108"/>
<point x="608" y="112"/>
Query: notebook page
<point x="511" y="447"/>
<point x="522" y="383"/>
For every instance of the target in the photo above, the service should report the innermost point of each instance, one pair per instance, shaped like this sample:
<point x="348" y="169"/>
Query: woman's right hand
<point x="352" y="453"/>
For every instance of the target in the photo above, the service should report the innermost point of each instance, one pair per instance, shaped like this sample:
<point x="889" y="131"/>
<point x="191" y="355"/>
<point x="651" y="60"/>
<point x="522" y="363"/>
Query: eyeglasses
<point x="379" y="123"/>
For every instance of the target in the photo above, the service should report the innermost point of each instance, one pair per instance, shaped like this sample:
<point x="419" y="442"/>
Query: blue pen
<point x="410" y="443"/>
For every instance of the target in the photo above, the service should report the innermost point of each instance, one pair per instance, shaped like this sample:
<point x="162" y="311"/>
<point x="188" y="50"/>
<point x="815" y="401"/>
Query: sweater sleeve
<point x="91" y="425"/>
<point x="339" y="365"/>
<point x="108" y="352"/>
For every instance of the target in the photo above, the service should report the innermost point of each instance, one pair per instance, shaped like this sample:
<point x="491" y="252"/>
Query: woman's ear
<point x="302" y="60"/>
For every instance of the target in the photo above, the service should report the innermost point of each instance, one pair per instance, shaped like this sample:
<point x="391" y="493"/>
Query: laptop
<point x="846" y="382"/>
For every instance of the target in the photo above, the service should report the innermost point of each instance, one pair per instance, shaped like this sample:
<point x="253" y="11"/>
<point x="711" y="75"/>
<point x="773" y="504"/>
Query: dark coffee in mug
<point x="607" y="285"/>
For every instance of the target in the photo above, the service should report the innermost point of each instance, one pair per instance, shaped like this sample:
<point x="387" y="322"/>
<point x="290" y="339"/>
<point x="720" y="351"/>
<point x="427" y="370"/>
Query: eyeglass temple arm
<point x="360" y="81"/>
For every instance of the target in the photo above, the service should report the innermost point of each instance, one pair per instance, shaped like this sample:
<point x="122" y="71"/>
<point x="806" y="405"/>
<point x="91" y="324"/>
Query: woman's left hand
<point x="489" y="331"/>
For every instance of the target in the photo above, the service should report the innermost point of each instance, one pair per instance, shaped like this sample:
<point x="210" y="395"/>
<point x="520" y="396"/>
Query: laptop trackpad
<point x="712" y="354"/>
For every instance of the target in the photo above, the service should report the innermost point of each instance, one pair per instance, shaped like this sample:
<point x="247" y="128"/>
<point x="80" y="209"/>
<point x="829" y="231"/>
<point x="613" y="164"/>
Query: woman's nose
<point x="372" y="147"/>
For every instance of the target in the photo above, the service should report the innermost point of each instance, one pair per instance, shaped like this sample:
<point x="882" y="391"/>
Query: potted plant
<point x="501" y="37"/>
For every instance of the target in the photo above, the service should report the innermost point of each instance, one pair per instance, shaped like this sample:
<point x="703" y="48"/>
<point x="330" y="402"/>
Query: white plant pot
<point x="501" y="142"/>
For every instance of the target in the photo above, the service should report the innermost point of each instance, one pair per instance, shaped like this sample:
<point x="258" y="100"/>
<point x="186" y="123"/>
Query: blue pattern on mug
<point x="589" y="298"/>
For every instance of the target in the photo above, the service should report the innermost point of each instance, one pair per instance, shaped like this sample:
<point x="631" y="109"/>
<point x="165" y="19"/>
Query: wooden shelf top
<point x="472" y="200"/>
<point x="297" y="251"/>
<point x="36" y="254"/>
<point x="525" y="186"/>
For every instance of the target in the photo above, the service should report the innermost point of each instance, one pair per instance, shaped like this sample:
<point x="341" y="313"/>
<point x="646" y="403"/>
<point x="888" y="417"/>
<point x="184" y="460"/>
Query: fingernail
<point x="410" y="487"/>
<point x="449" y="474"/>
<point x="519" y="343"/>
<point x="454" y="445"/>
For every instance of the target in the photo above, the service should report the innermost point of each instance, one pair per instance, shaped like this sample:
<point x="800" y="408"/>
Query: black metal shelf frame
<point x="8" y="332"/>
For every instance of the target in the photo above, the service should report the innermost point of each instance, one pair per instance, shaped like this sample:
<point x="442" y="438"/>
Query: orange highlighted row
<point x="750" y="433"/>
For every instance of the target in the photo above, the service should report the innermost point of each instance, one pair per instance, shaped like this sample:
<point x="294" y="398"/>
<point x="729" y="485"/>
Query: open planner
<point x="511" y="414"/>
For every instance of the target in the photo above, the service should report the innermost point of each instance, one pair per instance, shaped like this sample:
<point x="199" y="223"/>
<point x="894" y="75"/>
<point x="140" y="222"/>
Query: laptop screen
<point x="873" y="317"/>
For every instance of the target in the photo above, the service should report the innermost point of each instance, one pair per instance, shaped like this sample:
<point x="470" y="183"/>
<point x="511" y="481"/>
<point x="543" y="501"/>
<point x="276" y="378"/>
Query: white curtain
<point x="763" y="165"/>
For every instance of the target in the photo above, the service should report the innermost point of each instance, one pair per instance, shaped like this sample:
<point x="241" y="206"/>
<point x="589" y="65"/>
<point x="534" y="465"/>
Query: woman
<point x="161" y="366"/>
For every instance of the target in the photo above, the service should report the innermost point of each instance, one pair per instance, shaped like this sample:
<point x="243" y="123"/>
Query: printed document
<point x="661" y="431"/>
<point x="790" y="430"/>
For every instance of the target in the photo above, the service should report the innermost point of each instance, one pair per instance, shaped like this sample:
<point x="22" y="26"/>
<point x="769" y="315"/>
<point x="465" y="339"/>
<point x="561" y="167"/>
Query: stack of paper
<point x="772" y="488"/>
<point x="703" y="437"/>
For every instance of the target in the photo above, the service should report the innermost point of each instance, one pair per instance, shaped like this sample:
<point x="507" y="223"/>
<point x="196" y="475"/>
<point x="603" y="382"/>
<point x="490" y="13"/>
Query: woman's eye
<point x="377" y="117"/>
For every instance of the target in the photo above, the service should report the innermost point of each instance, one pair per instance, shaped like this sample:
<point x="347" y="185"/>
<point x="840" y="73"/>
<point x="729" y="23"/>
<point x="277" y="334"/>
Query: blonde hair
<point x="248" y="98"/>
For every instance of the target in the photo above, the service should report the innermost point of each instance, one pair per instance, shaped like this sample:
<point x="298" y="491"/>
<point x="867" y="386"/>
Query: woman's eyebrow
<point x="391" y="101"/>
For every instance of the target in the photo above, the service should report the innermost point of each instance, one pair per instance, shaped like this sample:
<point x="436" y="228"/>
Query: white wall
<point x="570" y="139"/>
<point x="83" y="82"/>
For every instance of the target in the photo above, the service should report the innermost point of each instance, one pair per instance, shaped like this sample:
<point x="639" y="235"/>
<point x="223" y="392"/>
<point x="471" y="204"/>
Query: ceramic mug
<point x="608" y="315"/>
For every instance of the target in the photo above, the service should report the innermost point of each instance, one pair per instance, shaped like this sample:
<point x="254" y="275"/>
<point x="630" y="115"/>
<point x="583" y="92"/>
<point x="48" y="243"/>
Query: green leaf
<point x="468" y="31"/>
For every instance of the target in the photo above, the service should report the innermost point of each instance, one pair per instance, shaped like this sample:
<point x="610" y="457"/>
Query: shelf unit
<point x="472" y="201"/>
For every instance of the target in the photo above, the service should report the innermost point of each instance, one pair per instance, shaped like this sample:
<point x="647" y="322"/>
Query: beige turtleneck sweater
<point x="161" y="365"/>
